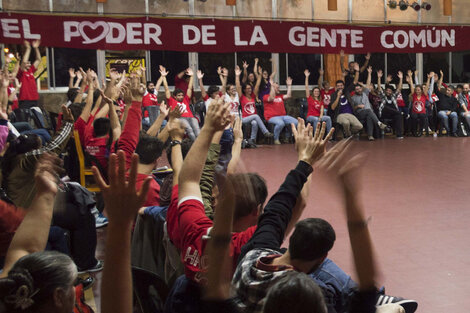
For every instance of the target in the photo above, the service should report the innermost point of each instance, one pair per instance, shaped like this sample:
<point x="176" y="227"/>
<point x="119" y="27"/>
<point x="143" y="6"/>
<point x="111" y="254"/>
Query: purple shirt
<point x="344" y="105"/>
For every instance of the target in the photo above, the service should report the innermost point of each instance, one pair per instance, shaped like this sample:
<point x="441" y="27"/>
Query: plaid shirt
<point x="254" y="277"/>
<point x="391" y="102"/>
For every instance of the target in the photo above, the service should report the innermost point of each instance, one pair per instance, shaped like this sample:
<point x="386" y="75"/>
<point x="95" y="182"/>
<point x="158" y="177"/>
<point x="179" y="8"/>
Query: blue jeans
<point x="192" y="127"/>
<point x="280" y="122"/>
<point x="445" y="120"/>
<point x="256" y="122"/>
<point x="26" y="129"/>
<point x="466" y="117"/>
<point x="184" y="297"/>
<point x="314" y="121"/>
<point x="337" y="286"/>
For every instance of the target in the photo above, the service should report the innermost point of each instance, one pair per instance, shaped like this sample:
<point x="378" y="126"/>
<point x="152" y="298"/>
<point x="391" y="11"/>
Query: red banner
<point x="217" y="35"/>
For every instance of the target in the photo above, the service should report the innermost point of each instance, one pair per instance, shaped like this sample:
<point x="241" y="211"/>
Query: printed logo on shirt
<point x="419" y="105"/>
<point x="234" y="107"/>
<point x="249" y="108"/>
<point x="182" y="107"/>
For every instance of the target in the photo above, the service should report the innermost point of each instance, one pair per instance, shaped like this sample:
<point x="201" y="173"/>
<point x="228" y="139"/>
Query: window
<point x="297" y="63"/>
<point x="249" y="57"/>
<point x="174" y="61"/>
<point x="208" y="63"/>
<point x="377" y="61"/>
<point x="124" y="60"/>
<point x="400" y="62"/>
<point x="436" y="62"/>
<point x="461" y="67"/>
<point x="65" y="58"/>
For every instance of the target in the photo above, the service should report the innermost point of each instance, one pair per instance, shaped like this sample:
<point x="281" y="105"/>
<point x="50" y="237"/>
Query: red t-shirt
<point x="419" y="104"/>
<point x="172" y="219"/>
<point x="194" y="228"/>
<point x="248" y="105"/>
<point x="14" y="104"/>
<point x="314" y="107"/>
<point x="29" y="90"/>
<point x="96" y="147"/>
<point x="400" y="100"/>
<point x="10" y="219"/>
<point x="184" y="105"/>
<point x="148" y="100"/>
<point x="326" y="96"/>
<point x="181" y="83"/>
<point x="274" y="108"/>
<point x="80" y="126"/>
<point x="153" y="196"/>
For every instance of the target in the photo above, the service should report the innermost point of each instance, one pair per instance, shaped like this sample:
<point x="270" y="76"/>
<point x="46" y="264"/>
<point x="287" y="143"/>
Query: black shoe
<point x="410" y="306"/>
<point x="268" y="135"/>
<point x="251" y="144"/>
<point x="98" y="267"/>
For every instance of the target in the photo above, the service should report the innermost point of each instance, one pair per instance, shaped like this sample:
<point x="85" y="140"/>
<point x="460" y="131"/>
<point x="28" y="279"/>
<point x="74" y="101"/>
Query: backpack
<point x="80" y="305"/>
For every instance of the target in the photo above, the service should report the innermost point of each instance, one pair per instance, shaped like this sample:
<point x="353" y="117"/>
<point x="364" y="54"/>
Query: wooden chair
<point x="84" y="170"/>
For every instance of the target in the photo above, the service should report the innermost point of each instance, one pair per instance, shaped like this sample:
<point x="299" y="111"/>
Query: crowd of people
<point x="223" y="237"/>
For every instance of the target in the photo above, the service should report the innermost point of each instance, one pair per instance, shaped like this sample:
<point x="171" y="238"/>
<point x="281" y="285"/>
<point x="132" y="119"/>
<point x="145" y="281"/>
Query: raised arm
<point x="289" y="88"/>
<point x="33" y="232"/>
<point x="338" y="96"/>
<point x="237" y="80"/>
<point x="157" y="124"/>
<point x="176" y="131"/>
<point x="366" y="63"/>
<point x="356" y="75"/>
<point x="441" y="79"/>
<point x="223" y="79"/>
<point x="72" y="76"/>
<point x="258" y="83"/>
<point x="122" y="202"/>
<point x="190" y="73"/>
<point x="400" y="82"/>
<point x="217" y="118"/>
<point x="379" y="81"/>
<point x="113" y="118"/>
<point x="369" y="78"/>
<point x="35" y="44"/>
<point x="200" y="76"/>
<point x="237" y="146"/>
<point x="245" y="73"/>
<point x="307" y="89"/>
<point x="409" y="80"/>
<point x="272" y="91"/>
<point x="89" y="99"/>
<point x="321" y="72"/>
<point x="341" y="60"/>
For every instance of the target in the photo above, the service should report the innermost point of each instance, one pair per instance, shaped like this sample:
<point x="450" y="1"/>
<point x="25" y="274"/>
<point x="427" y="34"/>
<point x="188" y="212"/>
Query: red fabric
<point x="14" y="104"/>
<point x="194" y="227"/>
<point x="248" y="105"/>
<point x="79" y="126"/>
<point x="28" y="90"/>
<point x="153" y="33"/>
<point x="97" y="148"/>
<point x="153" y="196"/>
<point x="181" y="83"/>
<point x="274" y="108"/>
<point x="148" y="100"/>
<point x="326" y="96"/>
<point x="186" y="111"/>
<point x="314" y="107"/>
<point x="419" y="104"/>
<point x="10" y="219"/>
<point x="400" y="100"/>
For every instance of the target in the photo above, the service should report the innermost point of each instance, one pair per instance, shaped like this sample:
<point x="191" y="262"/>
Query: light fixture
<point x="415" y="5"/>
<point x="426" y="6"/>
<point x="392" y="4"/>
<point x="403" y="5"/>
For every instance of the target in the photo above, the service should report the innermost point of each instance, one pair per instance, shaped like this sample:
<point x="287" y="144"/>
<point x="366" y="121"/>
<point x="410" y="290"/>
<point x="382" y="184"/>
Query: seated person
<point x="183" y="100"/>
<point x="447" y="107"/>
<point x="341" y="106"/>
<point x="248" y="107"/>
<point x="388" y="108"/>
<point x="418" y="102"/>
<point x="325" y="89"/>
<point x="464" y="102"/>
<point x="275" y="111"/>
<point x="362" y="107"/>
<point x="316" y="107"/>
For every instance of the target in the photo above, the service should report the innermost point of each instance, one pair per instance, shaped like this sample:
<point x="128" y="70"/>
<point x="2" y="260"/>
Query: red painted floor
<point x="416" y="191"/>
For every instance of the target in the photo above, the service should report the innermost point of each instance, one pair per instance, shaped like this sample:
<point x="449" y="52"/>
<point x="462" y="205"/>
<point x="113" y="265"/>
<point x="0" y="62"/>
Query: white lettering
<point x="207" y="35"/>
<point x="258" y="36"/>
<point x="343" y="33"/>
<point x="152" y="31"/>
<point x="356" y="38"/>
<point x="420" y="38"/>
<point x="132" y="33"/>
<point x="396" y="39"/>
<point x="383" y="39"/>
<point x="301" y="37"/>
<point x="121" y="33"/>
<point x="27" y="31"/>
<point x="448" y="38"/>
<point x="9" y="29"/>
<point x="71" y="30"/>
<point x="236" y="34"/>
<point x="438" y="38"/>
<point x="193" y="258"/>
<point x="196" y="35"/>
<point x="312" y="37"/>
<point x="325" y="36"/>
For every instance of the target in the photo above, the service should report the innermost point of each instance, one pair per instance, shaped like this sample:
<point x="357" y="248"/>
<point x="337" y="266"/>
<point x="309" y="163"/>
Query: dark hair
<point x="149" y="149"/>
<point x="185" y="146"/>
<point x="311" y="239"/>
<point x="212" y="89"/>
<point x="227" y="88"/>
<point x="244" y="88"/>
<point x="76" y="109"/>
<point x="101" y="126"/>
<point x="357" y="85"/>
<point x="323" y="83"/>
<point x="295" y="293"/>
<point x="388" y="86"/>
<point x="319" y="90"/>
<point x="250" y="190"/>
<point x="72" y="94"/>
<point x="339" y="82"/>
<point x="38" y="275"/>
<point x="148" y="83"/>
<point x="177" y="91"/>
<point x="459" y="86"/>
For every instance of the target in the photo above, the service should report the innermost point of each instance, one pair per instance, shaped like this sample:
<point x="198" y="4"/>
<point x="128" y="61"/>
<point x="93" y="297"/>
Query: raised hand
<point x="245" y="65"/>
<point x="218" y="115"/>
<point x="237" y="129"/>
<point x="368" y="56"/>
<point x="256" y="60"/>
<point x="176" y="130"/>
<point x="121" y="199"/>
<point x="164" y="109"/>
<point x="289" y="81"/>
<point x="35" y="44"/>
<point x="72" y="73"/>
<point x="219" y="70"/>
<point x="137" y="89"/>
<point x="27" y="44"/>
<point x="321" y="71"/>
<point x="442" y="73"/>
<point x="67" y="114"/>
<point x="200" y="74"/>
<point x="225" y="72"/>
<point x="238" y="71"/>
<point x="189" y="71"/>
<point x="356" y="66"/>
<point x="163" y="71"/>
<point x="310" y="148"/>
<point x="389" y="78"/>
<point x="113" y="74"/>
<point x="307" y="73"/>
<point x="431" y="75"/>
<point x="380" y="74"/>
<point x="47" y="173"/>
<point x="175" y="113"/>
<point x="369" y="69"/>
<point x="400" y="74"/>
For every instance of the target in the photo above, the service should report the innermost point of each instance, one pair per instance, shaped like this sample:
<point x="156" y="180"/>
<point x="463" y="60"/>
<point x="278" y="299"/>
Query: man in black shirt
<point x="447" y="109"/>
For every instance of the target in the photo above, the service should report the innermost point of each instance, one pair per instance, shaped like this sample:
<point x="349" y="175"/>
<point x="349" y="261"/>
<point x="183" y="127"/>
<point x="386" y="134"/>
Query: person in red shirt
<point x="248" y="108"/>
<point x="316" y="107"/>
<point x="150" y="99"/>
<point x="325" y="89"/>
<point x="29" y="91"/>
<point x="182" y="100"/>
<point x="419" y="101"/>
<point x="275" y="112"/>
